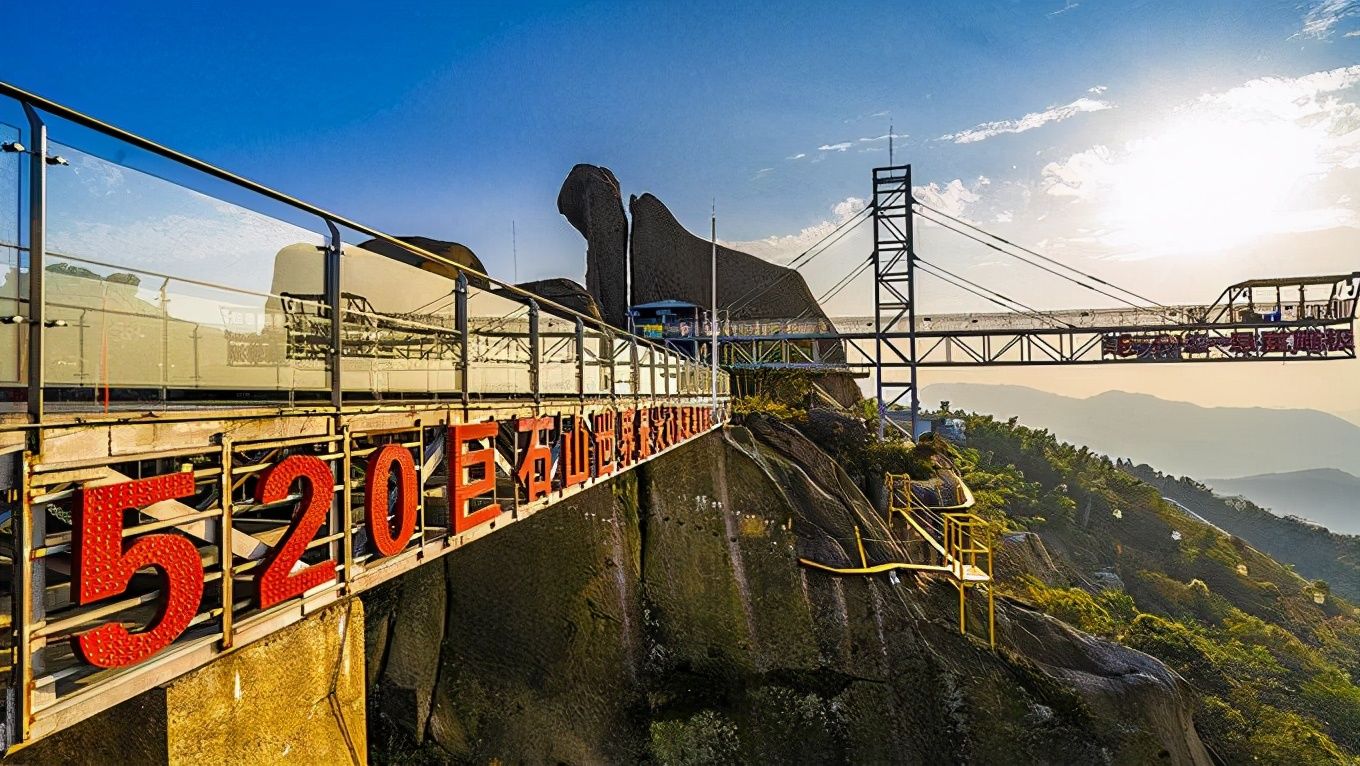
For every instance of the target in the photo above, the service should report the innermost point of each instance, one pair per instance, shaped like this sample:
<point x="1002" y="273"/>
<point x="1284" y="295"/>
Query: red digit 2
<point x="276" y="584"/>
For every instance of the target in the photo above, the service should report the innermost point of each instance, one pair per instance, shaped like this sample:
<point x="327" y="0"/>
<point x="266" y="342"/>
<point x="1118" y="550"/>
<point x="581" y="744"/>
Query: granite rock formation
<point x="671" y="263"/>
<point x="454" y="251"/>
<point x="566" y="292"/>
<point x="591" y="201"/>
<point x="664" y="618"/>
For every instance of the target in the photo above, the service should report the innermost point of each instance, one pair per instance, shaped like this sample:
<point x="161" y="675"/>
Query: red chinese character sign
<point x="542" y="457"/>
<point x="1310" y="341"/>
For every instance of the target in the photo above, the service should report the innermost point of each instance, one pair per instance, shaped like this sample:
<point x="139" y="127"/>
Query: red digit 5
<point x="103" y="569"/>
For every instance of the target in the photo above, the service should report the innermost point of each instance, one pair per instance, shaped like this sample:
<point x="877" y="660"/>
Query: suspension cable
<point x="941" y="272"/>
<point x="803" y="259"/>
<point x="845" y="281"/>
<point x="1054" y="272"/>
<point x="1038" y="255"/>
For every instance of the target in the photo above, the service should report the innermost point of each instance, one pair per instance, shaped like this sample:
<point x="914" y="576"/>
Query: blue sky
<point x="1139" y="119"/>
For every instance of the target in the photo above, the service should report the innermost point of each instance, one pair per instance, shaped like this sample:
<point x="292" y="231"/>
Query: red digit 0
<point x="275" y="583"/>
<point x="103" y="569"/>
<point x="375" y="498"/>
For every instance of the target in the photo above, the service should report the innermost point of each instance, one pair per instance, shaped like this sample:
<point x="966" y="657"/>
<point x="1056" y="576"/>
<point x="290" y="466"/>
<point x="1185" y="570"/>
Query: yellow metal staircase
<point x="958" y="542"/>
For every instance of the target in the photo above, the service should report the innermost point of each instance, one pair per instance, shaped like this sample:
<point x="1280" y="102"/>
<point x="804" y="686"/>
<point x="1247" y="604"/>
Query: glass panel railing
<point x="13" y="276"/>
<point x="400" y="331"/>
<point x="156" y="290"/>
<point x="162" y="288"/>
<point x="623" y="366"/>
<point x="557" y="354"/>
<point x="599" y="361"/>
<point x="498" y="344"/>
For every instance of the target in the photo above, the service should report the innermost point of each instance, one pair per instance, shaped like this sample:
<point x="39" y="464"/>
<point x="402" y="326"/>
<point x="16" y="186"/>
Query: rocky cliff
<point x="664" y="617"/>
<point x="668" y="262"/>
<point x="566" y="292"/>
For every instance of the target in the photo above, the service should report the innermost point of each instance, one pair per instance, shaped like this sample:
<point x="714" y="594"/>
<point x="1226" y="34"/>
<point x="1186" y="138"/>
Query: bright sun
<point x="1205" y="184"/>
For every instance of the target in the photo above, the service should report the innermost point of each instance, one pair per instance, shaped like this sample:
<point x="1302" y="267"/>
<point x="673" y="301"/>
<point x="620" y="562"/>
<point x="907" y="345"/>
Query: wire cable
<point x="1038" y="255"/>
<point x="844" y="282"/>
<point x="1030" y="310"/>
<point x="803" y="259"/>
<point x="1054" y="272"/>
<point x="990" y="295"/>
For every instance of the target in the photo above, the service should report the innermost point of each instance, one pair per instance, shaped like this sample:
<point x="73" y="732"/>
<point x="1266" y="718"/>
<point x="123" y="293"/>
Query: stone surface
<point x="664" y="618"/>
<point x="671" y="263"/>
<point x="409" y="671"/>
<point x="454" y="251"/>
<point x="591" y="201"/>
<point x="567" y="292"/>
<point x="294" y="697"/>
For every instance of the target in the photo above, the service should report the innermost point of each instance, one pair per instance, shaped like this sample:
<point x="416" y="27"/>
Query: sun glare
<point x="1206" y="184"/>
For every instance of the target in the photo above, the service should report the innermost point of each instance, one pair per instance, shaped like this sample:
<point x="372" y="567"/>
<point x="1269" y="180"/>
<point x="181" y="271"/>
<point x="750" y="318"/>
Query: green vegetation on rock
<point x="1274" y="670"/>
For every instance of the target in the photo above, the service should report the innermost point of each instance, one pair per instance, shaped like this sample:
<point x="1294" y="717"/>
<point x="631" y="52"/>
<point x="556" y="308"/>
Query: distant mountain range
<point x="1175" y="437"/>
<point x="1294" y="462"/>
<point x="1323" y="495"/>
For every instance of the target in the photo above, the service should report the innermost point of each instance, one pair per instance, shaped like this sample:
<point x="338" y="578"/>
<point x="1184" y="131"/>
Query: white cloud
<point x="1224" y="169"/>
<point x="781" y="248"/>
<point x="954" y="197"/>
<point x="835" y="147"/>
<point x="797" y="156"/>
<point x="1098" y="89"/>
<point x="1030" y="121"/>
<point x="1322" y="19"/>
<point x="1080" y="175"/>
<point x="762" y="173"/>
<point x="847" y="207"/>
<point x="1067" y="7"/>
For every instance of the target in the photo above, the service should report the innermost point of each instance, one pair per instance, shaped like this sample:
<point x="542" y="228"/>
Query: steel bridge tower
<point x="894" y="291"/>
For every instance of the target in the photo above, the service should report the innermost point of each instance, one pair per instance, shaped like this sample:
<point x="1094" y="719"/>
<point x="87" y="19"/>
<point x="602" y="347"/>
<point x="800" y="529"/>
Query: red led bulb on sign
<point x="102" y="568"/>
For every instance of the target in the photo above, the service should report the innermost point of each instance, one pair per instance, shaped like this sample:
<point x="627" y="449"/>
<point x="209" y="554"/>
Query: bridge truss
<point x="1292" y="319"/>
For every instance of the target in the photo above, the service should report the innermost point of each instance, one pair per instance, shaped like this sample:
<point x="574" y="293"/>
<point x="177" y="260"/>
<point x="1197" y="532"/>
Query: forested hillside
<point x="1099" y="547"/>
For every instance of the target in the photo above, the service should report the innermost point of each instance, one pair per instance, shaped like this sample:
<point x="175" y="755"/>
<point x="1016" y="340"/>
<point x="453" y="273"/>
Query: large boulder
<point x="460" y="254"/>
<point x="591" y="201"/>
<point x="565" y="292"/>
<point x="671" y="263"/>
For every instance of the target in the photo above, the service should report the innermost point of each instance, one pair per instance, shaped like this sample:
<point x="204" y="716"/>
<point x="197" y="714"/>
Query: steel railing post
<point x="534" y="353"/>
<point x="37" y="252"/>
<point x="633" y="362"/>
<point x="334" y="248"/>
<point x="580" y="359"/>
<point x="461" y="324"/>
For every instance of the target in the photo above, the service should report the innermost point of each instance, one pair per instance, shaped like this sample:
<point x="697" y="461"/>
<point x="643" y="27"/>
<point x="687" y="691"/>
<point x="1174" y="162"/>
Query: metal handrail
<point x="84" y="120"/>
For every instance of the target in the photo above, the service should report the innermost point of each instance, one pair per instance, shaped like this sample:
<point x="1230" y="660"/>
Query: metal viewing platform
<point x="220" y="411"/>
